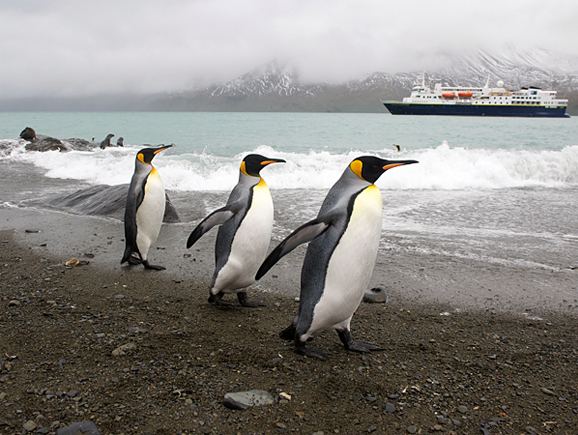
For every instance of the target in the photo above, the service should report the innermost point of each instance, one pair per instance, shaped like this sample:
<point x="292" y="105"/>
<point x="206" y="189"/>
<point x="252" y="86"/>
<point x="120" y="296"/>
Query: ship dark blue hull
<point x="398" y="108"/>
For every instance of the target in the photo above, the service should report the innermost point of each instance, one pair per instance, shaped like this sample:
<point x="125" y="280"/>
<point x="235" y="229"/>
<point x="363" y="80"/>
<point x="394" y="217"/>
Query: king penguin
<point x="145" y="207"/>
<point x="340" y="258"/>
<point x="244" y="235"/>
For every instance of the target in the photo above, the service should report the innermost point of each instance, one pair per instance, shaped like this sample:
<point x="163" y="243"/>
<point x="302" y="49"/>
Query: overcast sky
<point x="80" y="47"/>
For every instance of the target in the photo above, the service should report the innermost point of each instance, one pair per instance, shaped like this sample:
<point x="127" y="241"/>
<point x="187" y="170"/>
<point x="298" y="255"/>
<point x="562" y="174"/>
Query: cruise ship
<point x="485" y="101"/>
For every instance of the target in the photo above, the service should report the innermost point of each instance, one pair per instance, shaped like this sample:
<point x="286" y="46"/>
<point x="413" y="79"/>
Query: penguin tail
<point x="289" y="332"/>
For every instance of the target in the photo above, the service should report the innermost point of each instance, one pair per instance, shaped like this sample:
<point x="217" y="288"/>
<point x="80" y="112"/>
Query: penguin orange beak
<point x="162" y="148"/>
<point x="393" y="164"/>
<point x="268" y="162"/>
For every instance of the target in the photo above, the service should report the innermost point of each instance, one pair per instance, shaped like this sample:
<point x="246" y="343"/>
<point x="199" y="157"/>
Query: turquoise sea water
<point x="496" y="190"/>
<point x="226" y="134"/>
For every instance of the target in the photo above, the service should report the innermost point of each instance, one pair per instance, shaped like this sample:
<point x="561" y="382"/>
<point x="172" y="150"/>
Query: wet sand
<point x="468" y="347"/>
<point x="414" y="279"/>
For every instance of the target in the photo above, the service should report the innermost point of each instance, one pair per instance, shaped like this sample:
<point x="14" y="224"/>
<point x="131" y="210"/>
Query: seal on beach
<point x="106" y="142"/>
<point x="145" y="207"/>
<point x="244" y="235"/>
<point x="120" y="142"/>
<point x="28" y="134"/>
<point x="340" y="258"/>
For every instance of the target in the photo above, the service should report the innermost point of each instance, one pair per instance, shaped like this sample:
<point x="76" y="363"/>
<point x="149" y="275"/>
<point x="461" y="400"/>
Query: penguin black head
<point x="253" y="163"/>
<point x="146" y="155"/>
<point x="370" y="168"/>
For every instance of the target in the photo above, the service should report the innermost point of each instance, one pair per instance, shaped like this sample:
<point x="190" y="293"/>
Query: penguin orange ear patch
<point x="140" y="156"/>
<point x="356" y="166"/>
<point x="243" y="168"/>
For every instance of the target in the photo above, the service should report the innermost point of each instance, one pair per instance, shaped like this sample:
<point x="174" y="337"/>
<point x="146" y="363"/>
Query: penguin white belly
<point x="149" y="216"/>
<point x="250" y="244"/>
<point x="351" y="265"/>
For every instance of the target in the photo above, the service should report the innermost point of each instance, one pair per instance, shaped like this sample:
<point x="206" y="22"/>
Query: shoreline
<point x="410" y="278"/>
<point x="441" y="369"/>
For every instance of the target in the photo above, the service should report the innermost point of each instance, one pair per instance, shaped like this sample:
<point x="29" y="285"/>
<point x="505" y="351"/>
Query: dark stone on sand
<point x="376" y="295"/>
<point x="101" y="201"/>
<point x="45" y="143"/>
<point x="246" y="399"/>
<point x="81" y="428"/>
<point x="412" y="429"/>
<point x="389" y="408"/>
<point x="231" y="403"/>
<point x="28" y="133"/>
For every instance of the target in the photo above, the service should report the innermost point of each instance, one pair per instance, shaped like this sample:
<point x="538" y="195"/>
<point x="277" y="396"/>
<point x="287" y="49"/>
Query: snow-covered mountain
<point x="277" y="88"/>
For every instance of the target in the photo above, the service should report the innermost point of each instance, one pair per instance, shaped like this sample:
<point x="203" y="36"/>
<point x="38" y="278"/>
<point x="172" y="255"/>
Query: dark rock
<point x="246" y="399"/>
<point x="77" y="144"/>
<point x="81" y="428"/>
<point x="28" y="133"/>
<point x="101" y="201"/>
<point x="376" y="295"/>
<point x="389" y="408"/>
<point x="412" y="429"/>
<point x="231" y="403"/>
<point x="463" y="409"/>
<point x="45" y="143"/>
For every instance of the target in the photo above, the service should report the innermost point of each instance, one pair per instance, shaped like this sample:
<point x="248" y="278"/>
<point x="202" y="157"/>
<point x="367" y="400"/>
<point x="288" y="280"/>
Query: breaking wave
<point x="440" y="168"/>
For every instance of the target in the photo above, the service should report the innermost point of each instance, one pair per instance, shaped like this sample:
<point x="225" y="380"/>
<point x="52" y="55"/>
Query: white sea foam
<point x="440" y="168"/>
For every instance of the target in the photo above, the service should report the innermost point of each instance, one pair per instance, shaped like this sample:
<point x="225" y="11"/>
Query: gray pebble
<point x="441" y="419"/>
<point x="83" y="427"/>
<point x="463" y="409"/>
<point x="389" y="408"/>
<point x="246" y="399"/>
<point x="376" y="295"/>
<point x="29" y="425"/>
<point x="412" y="429"/>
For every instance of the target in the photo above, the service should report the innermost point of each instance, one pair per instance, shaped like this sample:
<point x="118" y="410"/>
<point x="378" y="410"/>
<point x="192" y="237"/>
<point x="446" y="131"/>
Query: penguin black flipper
<point x="130" y="227"/>
<point x="218" y="217"/>
<point x="304" y="234"/>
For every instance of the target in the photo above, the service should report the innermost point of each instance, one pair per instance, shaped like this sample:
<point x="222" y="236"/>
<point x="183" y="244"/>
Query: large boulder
<point x="76" y="144"/>
<point x="45" y="143"/>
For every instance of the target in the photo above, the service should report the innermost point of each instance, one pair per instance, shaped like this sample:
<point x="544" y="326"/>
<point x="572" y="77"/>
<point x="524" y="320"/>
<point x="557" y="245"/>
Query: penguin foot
<point x="354" y="345"/>
<point x="308" y="352"/>
<point x="246" y="302"/>
<point x="218" y="300"/>
<point x="149" y="266"/>
<point x="134" y="260"/>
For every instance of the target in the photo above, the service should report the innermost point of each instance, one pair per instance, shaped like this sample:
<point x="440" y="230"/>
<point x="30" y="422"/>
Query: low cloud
<point x="71" y="48"/>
